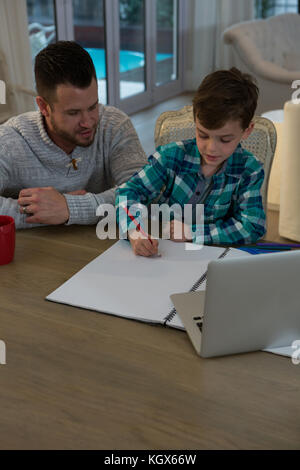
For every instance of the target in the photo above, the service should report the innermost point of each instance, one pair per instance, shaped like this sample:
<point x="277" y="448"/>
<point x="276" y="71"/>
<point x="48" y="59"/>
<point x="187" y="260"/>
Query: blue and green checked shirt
<point x="233" y="210"/>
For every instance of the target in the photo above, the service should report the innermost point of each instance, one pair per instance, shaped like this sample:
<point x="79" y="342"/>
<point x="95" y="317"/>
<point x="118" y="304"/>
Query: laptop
<point x="250" y="303"/>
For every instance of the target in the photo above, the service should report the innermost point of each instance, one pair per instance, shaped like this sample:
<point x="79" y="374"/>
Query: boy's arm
<point x="142" y="188"/>
<point x="248" y="222"/>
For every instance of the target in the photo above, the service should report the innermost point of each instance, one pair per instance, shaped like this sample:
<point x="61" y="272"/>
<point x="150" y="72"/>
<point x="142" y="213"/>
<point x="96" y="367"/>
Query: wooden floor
<point x="144" y="123"/>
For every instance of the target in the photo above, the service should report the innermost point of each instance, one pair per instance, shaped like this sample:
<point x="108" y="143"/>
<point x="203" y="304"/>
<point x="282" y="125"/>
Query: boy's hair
<point x="61" y="63"/>
<point x="223" y="96"/>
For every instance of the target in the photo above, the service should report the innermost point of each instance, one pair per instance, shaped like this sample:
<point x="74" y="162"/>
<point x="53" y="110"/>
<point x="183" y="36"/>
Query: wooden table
<point x="77" y="379"/>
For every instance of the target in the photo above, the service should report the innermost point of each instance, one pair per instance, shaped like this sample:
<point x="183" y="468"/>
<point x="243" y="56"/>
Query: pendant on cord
<point x="74" y="163"/>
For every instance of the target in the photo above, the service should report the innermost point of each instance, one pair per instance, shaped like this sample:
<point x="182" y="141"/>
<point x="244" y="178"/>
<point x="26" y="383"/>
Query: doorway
<point x="136" y="45"/>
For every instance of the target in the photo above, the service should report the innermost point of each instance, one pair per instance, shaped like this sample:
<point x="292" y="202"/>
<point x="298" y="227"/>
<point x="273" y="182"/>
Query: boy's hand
<point x="142" y="246"/>
<point x="179" y="232"/>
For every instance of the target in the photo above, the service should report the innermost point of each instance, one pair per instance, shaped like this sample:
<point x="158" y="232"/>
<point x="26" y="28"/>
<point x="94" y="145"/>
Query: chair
<point x="173" y="126"/>
<point x="40" y="36"/>
<point x="269" y="50"/>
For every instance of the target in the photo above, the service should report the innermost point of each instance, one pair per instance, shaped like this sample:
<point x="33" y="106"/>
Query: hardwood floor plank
<point x="144" y="121"/>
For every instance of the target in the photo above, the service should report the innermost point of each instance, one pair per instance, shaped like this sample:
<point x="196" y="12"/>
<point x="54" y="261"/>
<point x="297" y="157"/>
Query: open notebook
<point x="120" y="283"/>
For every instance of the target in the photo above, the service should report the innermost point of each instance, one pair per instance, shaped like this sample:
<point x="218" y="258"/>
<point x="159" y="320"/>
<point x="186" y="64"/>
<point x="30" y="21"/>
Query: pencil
<point x="138" y="226"/>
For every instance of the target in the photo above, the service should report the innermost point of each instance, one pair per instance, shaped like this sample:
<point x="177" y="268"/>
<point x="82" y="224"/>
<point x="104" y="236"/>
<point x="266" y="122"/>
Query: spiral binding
<point x="197" y="284"/>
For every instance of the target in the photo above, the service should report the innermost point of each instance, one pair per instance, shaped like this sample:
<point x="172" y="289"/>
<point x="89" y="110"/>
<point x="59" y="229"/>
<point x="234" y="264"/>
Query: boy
<point x="212" y="169"/>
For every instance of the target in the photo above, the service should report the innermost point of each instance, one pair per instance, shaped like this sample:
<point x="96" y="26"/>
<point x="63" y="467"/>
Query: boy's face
<point x="216" y="146"/>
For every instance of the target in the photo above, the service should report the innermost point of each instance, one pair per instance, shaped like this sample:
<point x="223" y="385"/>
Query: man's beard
<point x="70" y="138"/>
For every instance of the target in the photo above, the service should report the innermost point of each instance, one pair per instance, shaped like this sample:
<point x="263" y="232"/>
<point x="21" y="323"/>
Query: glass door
<point x="132" y="65"/>
<point x="41" y="24"/>
<point x="136" y="45"/>
<point x="89" y="32"/>
<point x="166" y="42"/>
<point x="169" y="29"/>
<point x="150" y="64"/>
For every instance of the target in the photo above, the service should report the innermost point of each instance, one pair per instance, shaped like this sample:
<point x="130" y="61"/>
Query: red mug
<point x="7" y="239"/>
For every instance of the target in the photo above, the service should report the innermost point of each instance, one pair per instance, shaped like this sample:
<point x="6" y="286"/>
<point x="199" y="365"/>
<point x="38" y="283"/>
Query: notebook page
<point x="121" y="283"/>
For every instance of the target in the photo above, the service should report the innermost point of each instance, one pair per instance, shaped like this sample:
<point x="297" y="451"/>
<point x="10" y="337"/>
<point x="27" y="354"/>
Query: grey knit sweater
<point x="29" y="158"/>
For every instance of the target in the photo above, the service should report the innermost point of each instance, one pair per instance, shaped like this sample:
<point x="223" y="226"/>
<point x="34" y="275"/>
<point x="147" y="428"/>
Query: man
<point x="58" y="164"/>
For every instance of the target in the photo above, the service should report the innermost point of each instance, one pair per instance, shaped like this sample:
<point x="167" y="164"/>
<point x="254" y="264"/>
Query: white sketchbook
<point x="123" y="284"/>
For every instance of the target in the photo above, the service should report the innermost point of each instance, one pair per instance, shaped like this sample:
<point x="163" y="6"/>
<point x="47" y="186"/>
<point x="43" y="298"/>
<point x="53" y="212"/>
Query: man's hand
<point x="43" y="206"/>
<point x="142" y="246"/>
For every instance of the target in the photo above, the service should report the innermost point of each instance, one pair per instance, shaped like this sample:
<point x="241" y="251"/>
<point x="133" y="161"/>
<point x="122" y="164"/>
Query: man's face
<point x="216" y="146"/>
<point x="73" y="117"/>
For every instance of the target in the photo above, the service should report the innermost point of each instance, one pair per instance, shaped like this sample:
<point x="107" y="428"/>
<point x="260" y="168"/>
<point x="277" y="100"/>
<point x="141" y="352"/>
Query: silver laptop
<point x="250" y="303"/>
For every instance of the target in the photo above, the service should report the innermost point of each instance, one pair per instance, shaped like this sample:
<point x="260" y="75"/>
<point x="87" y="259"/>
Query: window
<point x="89" y="31"/>
<point x="136" y="45"/>
<point x="266" y="8"/>
<point x="42" y="28"/>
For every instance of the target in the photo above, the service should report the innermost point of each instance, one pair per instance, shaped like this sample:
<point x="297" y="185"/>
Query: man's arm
<point x="8" y="205"/>
<point x="28" y="201"/>
<point x="124" y="156"/>
<point x="43" y="205"/>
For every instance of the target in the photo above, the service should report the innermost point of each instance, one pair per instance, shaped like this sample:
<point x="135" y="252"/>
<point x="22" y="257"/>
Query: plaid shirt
<point x="233" y="211"/>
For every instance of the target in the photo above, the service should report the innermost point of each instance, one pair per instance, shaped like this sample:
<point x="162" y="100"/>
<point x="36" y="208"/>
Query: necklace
<point x="74" y="162"/>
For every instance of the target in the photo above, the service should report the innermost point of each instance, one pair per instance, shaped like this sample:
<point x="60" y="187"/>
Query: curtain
<point x="207" y="19"/>
<point x="229" y="12"/>
<point x="16" y="64"/>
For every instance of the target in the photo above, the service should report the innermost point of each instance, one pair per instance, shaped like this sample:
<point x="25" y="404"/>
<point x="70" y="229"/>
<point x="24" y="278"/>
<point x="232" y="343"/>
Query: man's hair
<point x="64" y="62"/>
<point x="225" y="95"/>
